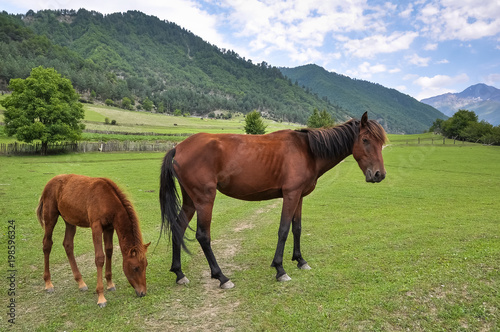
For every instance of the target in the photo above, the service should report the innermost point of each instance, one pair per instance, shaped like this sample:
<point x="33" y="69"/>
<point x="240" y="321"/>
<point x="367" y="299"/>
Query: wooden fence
<point x="428" y="141"/>
<point x="65" y="147"/>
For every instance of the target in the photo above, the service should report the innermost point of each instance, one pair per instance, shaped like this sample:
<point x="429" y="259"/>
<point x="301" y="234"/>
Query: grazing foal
<point x="97" y="203"/>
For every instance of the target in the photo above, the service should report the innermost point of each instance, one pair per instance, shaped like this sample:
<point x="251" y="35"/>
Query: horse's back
<point x="78" y="198"/>
<point x="249" y="167"/>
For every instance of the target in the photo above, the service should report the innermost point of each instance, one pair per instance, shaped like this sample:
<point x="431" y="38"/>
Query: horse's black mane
<point x="339" y="140"/>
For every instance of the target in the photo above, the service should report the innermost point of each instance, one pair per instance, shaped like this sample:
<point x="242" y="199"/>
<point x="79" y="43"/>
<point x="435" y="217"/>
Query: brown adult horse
<point x="283" y="164"/>
<point x="97" y="203"/>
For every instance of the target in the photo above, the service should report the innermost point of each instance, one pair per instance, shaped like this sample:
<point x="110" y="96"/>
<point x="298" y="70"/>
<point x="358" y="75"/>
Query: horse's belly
<point x="252" y="195"/>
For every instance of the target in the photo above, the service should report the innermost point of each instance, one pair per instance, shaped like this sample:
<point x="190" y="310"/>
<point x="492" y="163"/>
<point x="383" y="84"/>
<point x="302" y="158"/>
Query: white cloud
<point x="492" y="79"/>
<point x="460" y="19"/>
<point x="372" y="45"/>
<point x="438" y="84"/>
<point x="417" y="60"/>
<point x="431" y="47"/>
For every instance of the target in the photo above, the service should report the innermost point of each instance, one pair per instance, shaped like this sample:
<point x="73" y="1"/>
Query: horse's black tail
<point x="172" y="217"/>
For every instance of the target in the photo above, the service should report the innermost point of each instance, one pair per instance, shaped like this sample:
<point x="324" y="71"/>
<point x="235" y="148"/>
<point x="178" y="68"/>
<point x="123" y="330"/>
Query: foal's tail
<point x="39" y="213"/>
<point x="172" y="217"/>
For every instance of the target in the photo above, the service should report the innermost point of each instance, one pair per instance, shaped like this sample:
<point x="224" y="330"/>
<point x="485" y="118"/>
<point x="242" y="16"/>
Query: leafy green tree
<point x="436" y="126"/>
<point x="458" y="122"/>
<point x="147" y="104"/>
<point x="43" y="107"/>
<point x="254" y="124"/>
<point x="320" y="119"/>
<point x="177" y="112"/>
<point x="127" y="103"/>
<point x="109" y="102"/>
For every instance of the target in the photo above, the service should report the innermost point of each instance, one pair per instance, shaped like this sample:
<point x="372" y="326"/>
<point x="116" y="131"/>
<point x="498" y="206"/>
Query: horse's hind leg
<point x="68" y="247"/>
<point x="188" y="211"/>
<point x="108" y="246"/>
<point x="50" y="215"/>
<point x="204" y="213"/>
<point x="296" y="230"/>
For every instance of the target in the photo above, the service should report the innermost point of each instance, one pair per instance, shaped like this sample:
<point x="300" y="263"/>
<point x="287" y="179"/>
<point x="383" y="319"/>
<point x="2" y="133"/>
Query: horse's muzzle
<point x="374" y="177"/>
<point x="140" y="293"/>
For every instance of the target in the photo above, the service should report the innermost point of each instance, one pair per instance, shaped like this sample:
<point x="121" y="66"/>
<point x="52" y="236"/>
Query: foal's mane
<point x="339" y="140"/>
<point x="136" y="231"/>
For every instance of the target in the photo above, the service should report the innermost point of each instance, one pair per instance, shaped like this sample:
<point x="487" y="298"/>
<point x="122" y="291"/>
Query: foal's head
<point x="134" y="267"/>
<point x="367" y="149"/>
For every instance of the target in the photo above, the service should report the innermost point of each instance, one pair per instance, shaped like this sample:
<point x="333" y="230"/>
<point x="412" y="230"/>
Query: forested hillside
<point x="138" y="56"/>
<point x="399" y="113"/>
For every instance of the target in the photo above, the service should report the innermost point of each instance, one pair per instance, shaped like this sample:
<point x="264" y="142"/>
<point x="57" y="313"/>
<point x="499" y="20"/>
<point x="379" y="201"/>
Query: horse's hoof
<point x="102" y="305"/>
<point x="50" y="290"/>
<point x="305" y="267"/>
<point x="227" y="285"/>
<point x="183" y="281"/>
<point x="84" y="289"/>
<point x="112" y="289"/>
<point x="284" y="277"/>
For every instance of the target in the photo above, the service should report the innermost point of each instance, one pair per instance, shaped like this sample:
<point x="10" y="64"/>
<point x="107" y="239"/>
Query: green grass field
<point x="419" y="251"/>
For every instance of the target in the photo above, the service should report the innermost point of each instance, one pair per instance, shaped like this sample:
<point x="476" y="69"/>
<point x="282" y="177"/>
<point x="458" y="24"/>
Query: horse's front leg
<point x="68" y="244"/>
<point x="297" y="230"/>
<point x="290" y="202"/>
<point x="108" y="247"/>
<point x="99" y="262"/>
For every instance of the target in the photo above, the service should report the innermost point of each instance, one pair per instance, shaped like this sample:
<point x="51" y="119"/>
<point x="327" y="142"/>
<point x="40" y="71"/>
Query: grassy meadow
<point x="419" y="251"/>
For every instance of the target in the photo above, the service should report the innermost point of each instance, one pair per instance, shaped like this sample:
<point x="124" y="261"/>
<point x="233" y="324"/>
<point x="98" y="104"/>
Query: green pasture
<point x="419" y="251"/>
<point x="133" y="121"/>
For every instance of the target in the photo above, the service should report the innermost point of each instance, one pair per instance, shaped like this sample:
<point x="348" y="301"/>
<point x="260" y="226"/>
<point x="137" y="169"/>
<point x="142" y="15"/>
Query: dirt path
<point x="214" y="310"/>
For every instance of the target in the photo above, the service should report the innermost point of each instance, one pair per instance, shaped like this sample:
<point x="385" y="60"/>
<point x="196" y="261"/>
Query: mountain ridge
<point x="483" y="99"/>
<point x="397" y="112"/>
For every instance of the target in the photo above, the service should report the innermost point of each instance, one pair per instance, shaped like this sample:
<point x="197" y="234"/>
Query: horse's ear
<point x="147" y="245"/>
<point x="364" y="119"/>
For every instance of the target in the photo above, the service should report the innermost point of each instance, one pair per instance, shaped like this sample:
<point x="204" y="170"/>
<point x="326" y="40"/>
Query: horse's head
<point x="367" y="149"/>
<point x="134" y="267"/>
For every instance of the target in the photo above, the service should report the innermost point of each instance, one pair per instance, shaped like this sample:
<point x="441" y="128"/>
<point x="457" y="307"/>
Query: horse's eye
<point x="365" y="140"/>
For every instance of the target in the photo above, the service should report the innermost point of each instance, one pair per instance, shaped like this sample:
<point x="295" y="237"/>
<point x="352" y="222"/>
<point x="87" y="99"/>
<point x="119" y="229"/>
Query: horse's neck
<point x="127" y="232"/>
<point x="323" y="165"/>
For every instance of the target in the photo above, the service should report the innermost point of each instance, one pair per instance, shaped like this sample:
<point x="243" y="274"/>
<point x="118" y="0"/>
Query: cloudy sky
<point x="421" y="48"/>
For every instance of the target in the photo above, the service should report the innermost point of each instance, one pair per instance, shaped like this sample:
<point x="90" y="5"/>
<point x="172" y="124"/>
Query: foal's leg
<point x="68" y="247"/>
<point x="99" y="261"/>
<point x="296" y="230"/>
<point x="108" y="246"/>
<point x="50" y="215"/>
<point x="188" y="211"/>
<point x="290" y="202"/>
<point x="204" y="214"/>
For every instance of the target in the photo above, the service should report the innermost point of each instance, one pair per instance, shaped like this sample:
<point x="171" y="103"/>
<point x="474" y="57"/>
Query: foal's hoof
<point x="102" y="305"/>
<point x="227" y="285"/>
<point x="84" y="289"/>
<point x="50" y="290"/>
<point x="305" y="267"/>
<point x="112" y="289"/>
<point x="284" y="277"/>
<point x="183" y="281"/>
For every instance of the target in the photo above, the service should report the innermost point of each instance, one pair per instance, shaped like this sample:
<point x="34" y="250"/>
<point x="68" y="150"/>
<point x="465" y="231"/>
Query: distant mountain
<point x="138" y="56"/>
<point x="483" y="99"/>
<point x="397" y="112"/>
